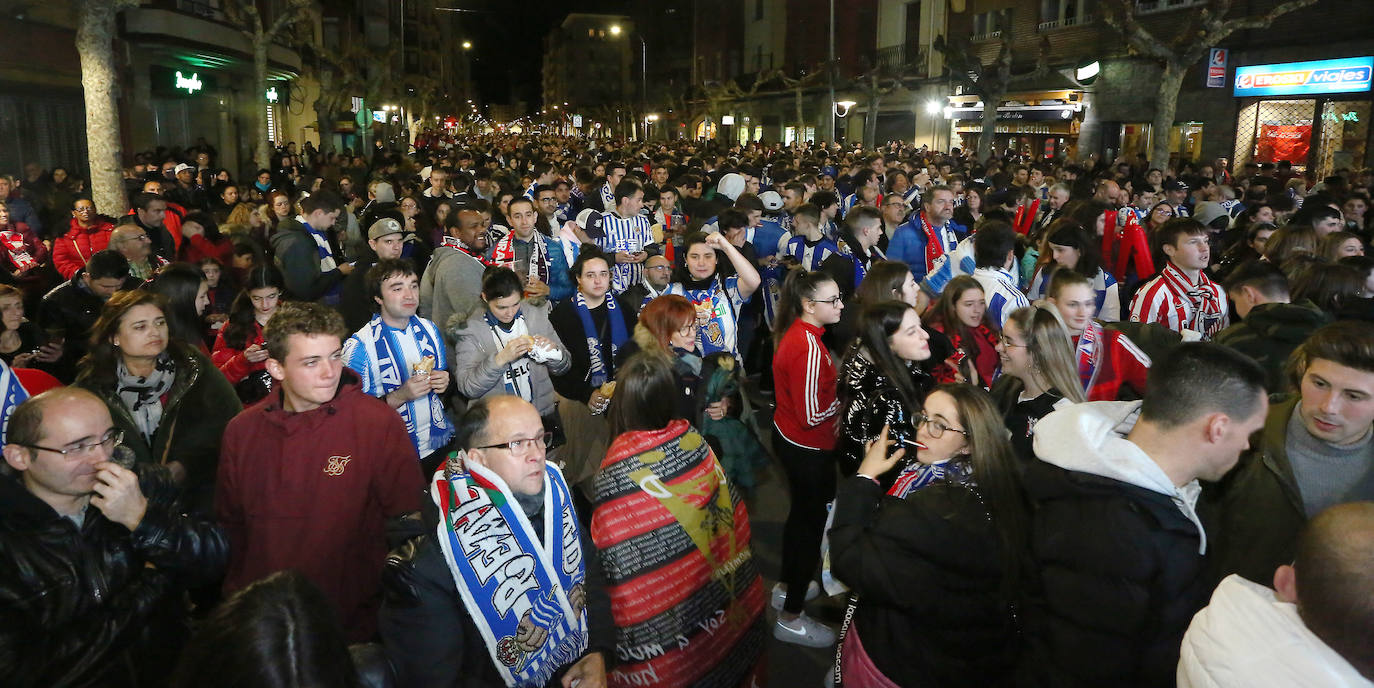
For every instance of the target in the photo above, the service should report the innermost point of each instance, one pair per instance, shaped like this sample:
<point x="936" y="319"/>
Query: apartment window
<point x="912" y="39"/>
<point x="1059" y="13"/>
<point x="991" y="24"/>
<point x="758" y="10"/>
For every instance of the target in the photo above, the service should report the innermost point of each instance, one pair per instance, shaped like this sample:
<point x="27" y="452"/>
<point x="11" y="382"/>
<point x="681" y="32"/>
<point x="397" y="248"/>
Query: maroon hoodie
<point x="312" y="491"/>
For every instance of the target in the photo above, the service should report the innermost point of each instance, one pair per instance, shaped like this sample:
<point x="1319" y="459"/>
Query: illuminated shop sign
<point x="189" y="84"/>
<point x="1347" y="75"/>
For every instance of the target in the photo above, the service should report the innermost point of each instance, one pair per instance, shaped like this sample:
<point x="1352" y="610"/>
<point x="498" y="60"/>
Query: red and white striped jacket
<point x="804" y="381"/>
<point x="1172" y="300"/>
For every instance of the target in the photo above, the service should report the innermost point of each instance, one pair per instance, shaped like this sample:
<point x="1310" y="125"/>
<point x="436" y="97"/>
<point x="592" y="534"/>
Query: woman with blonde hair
<point x="1038" y="373"/>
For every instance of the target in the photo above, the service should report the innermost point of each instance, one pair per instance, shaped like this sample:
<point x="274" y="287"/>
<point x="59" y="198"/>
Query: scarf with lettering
<point x="602" y="361"/>
<point x="708" y="296"/>
<point x="12" y="394"/>
<point x="386" y="369"/>
<point x="1206" y="311"/>
<point x="18" y="251"/>
<point x="517" y="375"/>
<point x="1088" y="353"/>
<point x="525" y="594"/>
<point x="937" y="240"/>
<point x="504" y="255"/>
<point x="665" y="511"/>
<point x="917" y="475"/>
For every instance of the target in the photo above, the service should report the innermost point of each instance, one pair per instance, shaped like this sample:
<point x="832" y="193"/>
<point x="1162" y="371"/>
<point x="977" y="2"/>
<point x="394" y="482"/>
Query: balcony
<point x="905" y="59"/>
<point x="1065" y="23"/>
<point x="986" y="36"/>
<point x="1153" y="6"/>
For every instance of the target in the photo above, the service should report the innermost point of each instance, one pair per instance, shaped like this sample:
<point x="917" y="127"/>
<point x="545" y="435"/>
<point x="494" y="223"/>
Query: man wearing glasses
<point x="93" y="554"/>
<point x="506" y="588"/>
<point x="658" y="272"/>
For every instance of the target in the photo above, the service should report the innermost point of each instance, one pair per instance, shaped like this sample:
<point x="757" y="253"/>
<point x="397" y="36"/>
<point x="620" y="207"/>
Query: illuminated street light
<point x="933" y="107"/>
<point x="846" y="105"/>
<point x="615" y="29"/>
<point x="467" y="45"/>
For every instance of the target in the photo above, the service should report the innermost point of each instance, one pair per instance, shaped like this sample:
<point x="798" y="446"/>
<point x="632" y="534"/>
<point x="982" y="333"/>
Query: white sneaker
<point x="780" y="594"/>
<point x="804" y="631"/>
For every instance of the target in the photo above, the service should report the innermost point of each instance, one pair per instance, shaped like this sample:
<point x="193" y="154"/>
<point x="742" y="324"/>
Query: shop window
<point x="1135" y="138"/>
<point x="706" y="129"/>
<point x="1344" y="135"/>
<point x="1185" y="141"/>
<point x="1274" y="130"/>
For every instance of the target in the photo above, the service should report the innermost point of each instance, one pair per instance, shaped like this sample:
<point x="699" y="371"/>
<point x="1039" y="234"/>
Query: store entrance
<point x="1276" y="130"/>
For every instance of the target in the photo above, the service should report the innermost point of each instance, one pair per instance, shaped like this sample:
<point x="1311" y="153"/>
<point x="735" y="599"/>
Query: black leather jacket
<point x="97" y="605"/>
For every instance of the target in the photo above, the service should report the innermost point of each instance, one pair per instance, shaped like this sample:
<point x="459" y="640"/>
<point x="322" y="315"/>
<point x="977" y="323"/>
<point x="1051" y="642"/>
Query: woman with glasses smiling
<point x="1038" y="373"/>
<point x="240" y="351"/>
<point x="934" y="561"/>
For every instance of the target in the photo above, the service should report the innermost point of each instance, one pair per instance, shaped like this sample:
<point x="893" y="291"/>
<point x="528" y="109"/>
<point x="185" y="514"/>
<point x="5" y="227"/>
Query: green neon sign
<point x="190" y="84"/>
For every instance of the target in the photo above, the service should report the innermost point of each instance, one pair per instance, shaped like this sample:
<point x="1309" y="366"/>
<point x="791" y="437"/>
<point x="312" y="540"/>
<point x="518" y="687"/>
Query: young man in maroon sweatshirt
<point x="310" y="476"/>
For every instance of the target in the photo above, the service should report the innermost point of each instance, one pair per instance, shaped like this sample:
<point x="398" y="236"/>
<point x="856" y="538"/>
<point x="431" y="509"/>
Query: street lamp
<point x="933" y="107"/>
<point x="846" y="105"/>
<point x="615" y="29"/>
<point x="467" y="45"/>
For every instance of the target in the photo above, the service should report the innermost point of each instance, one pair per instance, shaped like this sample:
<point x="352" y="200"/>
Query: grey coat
<point x="475" y="372"/>
<point x="451" y="285"/>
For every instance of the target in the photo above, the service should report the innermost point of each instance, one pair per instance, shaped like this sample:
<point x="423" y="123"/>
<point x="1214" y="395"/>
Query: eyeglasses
<point x="937" y="427"/>
<point x="833" y="301"/>
<point x="1007" y="342"/>
<point x="659" y="267"/>
<point x="524" y="446"/>
<point x="111" y="440"/>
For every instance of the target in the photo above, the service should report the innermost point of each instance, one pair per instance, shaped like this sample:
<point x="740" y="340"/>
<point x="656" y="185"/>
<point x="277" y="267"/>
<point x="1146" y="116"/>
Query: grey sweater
<point x="1328" y="474"/>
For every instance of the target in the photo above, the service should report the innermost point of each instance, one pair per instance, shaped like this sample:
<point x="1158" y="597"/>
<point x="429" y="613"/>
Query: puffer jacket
<point x="71" y="250"/>
<point x="1119" y="552"/>
<point x="1270" y="332"/>
<point x="871" y="401"/>
<point x="476" y="373"/>
<point x="97" y="605"/>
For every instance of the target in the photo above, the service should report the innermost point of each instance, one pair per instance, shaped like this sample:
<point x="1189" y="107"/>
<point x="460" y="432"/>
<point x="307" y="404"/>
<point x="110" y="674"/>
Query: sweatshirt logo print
<point x="337" y="464"/>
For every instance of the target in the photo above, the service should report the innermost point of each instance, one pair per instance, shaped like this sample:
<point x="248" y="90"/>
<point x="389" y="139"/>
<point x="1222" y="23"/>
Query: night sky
<point x="508" y="41"/>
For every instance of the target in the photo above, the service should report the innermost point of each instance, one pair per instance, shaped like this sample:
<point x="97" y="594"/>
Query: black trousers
<point x="811" y="479"/>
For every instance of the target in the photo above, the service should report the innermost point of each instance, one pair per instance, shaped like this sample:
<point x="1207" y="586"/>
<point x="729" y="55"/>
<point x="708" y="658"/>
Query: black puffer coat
<point x="98" y="605"/>
<point x="1120" y="578"/>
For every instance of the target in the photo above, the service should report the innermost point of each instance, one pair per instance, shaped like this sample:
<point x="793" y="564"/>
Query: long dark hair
<point x="98" y="367"/>
<point x="998" y="477"/>
<point x="179" y="283"/>
<point x="279" y="632"/>
<point x="883" y="282"/>
<point x="645" y="394"/>
<point x="798" y="285"/>
<point x="944" y="312"/>
<point x="239" y="330"/>
<point x="1075" y="235"/>
<point x="877" y="323"/>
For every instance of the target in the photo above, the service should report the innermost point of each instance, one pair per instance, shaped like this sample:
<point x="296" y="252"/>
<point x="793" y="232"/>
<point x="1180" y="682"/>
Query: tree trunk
<point x="261" y="152"/>
<point x="871" y="120"/>
<point x="99" y="81"/>
<point x="989" y="132"/>
<point x="1166" y="107"/>
<point x="801" y="120"/>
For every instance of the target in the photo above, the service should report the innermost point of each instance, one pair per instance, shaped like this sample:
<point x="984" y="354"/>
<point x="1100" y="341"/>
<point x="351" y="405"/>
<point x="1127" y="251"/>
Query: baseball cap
<point x="183" y="167"/>
<point x="771" y="200"/>
<point x="383" y="227"/>
<point x="1174" y="185"/>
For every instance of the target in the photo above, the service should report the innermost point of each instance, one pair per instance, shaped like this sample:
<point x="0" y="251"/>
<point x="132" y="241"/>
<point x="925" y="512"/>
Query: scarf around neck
<point x="143" y="395"/>
<point x="602" y="365"/>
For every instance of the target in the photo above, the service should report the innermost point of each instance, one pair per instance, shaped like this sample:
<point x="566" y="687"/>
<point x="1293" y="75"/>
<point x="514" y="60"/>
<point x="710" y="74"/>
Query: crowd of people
<point x="494" y="411"/>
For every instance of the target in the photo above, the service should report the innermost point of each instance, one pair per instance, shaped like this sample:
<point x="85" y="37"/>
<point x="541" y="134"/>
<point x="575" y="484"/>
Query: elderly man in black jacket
<point x="93" y="554"/>
<point x="520" y="618"/>
<point x="1115" y="536"/>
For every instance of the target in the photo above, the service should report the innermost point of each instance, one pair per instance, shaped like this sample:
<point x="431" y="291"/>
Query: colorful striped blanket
<point x="674" y="543"/>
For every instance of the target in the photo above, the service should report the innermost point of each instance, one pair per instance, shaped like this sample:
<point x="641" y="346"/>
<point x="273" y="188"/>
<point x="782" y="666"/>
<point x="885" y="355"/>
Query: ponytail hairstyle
<point x="997" y="475"/>
<point x="1051" y="350"/>
<point x="798" y="285"/>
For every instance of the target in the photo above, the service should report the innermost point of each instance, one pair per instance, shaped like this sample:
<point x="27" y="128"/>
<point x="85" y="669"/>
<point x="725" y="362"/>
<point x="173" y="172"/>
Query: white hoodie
<point x="1247" y="637"/>
<point x="1091" y="438"/>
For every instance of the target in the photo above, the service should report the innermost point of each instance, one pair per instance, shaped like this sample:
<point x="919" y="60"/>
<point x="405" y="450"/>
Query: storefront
<point x="1312" y="114"/>
<point x="1039" y="125"/>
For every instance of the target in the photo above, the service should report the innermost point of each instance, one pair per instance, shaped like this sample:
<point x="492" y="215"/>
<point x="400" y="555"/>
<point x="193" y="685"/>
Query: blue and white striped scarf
<point x="378" y="360"/>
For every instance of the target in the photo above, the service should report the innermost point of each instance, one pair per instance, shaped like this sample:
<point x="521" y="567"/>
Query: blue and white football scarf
<point x="526" y="598"/>
<point x="602" y="361"/>
<point x="382" y="368"/>
<point x="13" y="393"/>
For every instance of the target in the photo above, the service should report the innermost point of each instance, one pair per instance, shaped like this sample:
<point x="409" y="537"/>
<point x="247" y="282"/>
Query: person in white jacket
<point x="1312" y="630"/>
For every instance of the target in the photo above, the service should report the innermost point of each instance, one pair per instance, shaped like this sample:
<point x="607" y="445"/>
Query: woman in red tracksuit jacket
<point x="804" y="433"/>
